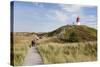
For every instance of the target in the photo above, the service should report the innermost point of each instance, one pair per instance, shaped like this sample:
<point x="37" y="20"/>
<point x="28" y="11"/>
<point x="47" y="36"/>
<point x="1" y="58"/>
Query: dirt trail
<point x="33" y="57"/>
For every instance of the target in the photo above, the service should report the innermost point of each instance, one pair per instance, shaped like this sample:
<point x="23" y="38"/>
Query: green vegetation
<point x="69" y="43"/>
<point x="20" y="44"/>
<point x="73" y="37"/>
<point x="67" y="52"/>
<point x="81" y="33"/>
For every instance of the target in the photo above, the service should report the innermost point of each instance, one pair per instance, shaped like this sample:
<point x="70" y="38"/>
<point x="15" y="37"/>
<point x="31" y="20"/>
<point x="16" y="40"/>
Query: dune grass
<point x="67" y="52"/>
<point x="53" y="50"/>
<point x="20" y="47"/>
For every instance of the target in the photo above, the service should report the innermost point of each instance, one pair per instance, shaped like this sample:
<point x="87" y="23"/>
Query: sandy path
<point x="33" y="57"/>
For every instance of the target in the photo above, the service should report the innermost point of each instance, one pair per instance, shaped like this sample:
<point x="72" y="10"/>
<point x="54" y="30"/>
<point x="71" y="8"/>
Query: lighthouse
<point x="78" y="20"/>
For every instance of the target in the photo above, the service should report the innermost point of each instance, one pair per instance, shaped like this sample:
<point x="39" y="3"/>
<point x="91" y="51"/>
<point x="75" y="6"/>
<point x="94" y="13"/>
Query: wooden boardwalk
<point x="32" y="58"/>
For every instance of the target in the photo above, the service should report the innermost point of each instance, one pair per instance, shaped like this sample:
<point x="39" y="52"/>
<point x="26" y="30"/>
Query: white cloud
<point x="77" y="10"/>
<point x="89" y="18"/>
<point x="68" y="13"/>
<point x="71" y="8"/>
<point x="61" y="16"/>
<point x="72" y="11"/>
<point x="57" y="15"/>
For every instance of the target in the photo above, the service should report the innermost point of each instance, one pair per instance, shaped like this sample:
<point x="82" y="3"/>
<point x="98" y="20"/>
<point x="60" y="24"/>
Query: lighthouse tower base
<point x="78" y="23"/>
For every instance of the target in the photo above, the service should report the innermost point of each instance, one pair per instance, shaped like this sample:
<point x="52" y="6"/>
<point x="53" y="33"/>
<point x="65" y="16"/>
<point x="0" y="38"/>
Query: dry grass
<point x="52" y="51"/>
<point x="68" y="52"/>
<point x="20" y="46"/>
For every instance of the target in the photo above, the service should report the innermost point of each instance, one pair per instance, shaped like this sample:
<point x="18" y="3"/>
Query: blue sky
<point x="45" y="17"/>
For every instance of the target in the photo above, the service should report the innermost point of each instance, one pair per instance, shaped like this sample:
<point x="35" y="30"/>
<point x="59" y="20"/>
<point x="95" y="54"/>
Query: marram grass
<point x="67" y="52"/>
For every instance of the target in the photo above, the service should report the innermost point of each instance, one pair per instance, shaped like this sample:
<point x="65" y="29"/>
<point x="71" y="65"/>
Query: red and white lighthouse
<point x="78" y="20"/>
